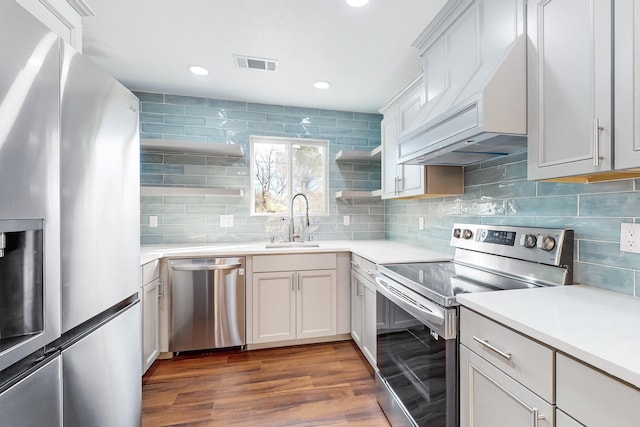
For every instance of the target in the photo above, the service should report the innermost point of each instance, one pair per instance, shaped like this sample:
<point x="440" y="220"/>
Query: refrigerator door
<point x="101" y="374"/>
<point x="29" y="169"/>
<point x="100" y="190"/>
<point x="35" y="401"/>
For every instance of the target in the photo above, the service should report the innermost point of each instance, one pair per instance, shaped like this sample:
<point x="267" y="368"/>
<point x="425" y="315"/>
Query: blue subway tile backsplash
<point x="195" y="219"/>
<point x="496" y="191"/>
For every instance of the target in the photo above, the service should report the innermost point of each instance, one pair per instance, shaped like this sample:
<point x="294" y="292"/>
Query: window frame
<point x="290" y="141"/>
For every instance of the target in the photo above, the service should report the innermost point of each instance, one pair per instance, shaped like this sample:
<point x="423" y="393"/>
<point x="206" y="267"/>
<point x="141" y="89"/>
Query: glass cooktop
<point x="442" y="281"/>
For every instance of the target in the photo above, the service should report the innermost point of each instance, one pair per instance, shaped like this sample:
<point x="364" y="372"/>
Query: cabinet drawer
<point x="593" y="398"/>
<point x="363" y="266"/>
<point x="525" y="360"/>
<point x="150" y="272"/>
<point x="294" y="262"/>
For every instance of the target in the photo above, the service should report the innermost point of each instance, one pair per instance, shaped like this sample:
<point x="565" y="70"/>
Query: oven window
<point x="420" y="369"/>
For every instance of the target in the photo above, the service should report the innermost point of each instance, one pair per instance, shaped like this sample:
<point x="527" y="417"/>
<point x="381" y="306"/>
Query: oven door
<point x="417" y="381"/>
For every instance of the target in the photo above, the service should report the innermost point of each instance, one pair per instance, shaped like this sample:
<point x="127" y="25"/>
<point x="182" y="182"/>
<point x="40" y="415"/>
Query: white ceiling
<point x="365" y="52"/>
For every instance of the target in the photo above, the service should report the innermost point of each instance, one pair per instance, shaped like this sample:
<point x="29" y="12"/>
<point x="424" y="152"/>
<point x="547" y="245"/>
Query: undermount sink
<point x="292" y="245"/>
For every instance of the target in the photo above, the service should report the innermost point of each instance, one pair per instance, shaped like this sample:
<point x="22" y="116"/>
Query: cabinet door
<point x="356" y="308"/>
<point x="627" y="84"/>
<point x="412" y="181"/>
<point x="564" y="420"/>
<point x="369" y="324"/>
<point x="150" y="324"/>
<point x="594" y="398"/>
<point x="489" y="397"/>
<point x="401" y="180"/>
<point x="274" y="307"/>
<point x="316" y="314"/>
<point x="390" y="176"/>
<point x="569" y="87"/>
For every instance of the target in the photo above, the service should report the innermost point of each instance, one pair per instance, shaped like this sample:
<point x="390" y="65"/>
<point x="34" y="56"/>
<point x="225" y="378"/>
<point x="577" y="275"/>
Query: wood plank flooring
<point x="313" y="385"/>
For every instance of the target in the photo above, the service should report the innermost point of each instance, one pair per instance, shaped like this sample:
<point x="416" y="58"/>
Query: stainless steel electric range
<point x="417" y="345"/>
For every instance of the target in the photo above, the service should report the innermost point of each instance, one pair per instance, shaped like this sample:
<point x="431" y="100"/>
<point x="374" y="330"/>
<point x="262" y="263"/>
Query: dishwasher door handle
<point x="205" y="267"/>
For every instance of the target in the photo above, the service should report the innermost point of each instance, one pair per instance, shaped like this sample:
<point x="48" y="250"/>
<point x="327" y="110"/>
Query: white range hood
<point x="474" y="69"/>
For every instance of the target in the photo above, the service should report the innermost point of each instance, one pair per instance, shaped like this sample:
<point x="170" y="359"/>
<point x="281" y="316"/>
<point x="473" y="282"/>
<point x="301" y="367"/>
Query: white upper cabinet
<point x="569" y="64"/>
<point x="63" y="17"/>
<point x="627" y="84"/>
<point x="401" y="180"/>
<point x="572" y="89"/>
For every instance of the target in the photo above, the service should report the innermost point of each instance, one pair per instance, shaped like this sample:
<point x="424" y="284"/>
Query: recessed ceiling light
<point x="357" y="3"/>
<point x="198" y="71"/>
<point x="321" y="85"/>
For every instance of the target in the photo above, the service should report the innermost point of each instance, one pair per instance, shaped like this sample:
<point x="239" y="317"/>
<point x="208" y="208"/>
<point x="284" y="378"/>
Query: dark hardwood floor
<point x="312" y="385"/>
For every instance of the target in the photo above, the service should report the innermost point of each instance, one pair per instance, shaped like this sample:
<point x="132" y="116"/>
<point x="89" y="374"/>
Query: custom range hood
<point x="474" y="71"/>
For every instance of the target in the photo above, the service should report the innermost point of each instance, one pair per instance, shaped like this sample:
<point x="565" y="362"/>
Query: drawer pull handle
<point x="537" y="417"/>
<point x="369" y="272"/>
<point x="355" y="264"/>
<point x="492" y="348"/>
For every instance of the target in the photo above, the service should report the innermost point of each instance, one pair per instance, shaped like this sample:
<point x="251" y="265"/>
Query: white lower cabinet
<point x="564" y="420"/>
<point x="506" y="379"/>
<point x="593" y="398"/>
<point x="489" y="397"/>
<point x="371" y="313"/>
<point x="366" y="310"/>
<point x="150" y="299"/>
<point x="289" y="305"/>
<point x="357" y="308"/>
<point x="274" y="307"/>
<point x="510" y="380"/>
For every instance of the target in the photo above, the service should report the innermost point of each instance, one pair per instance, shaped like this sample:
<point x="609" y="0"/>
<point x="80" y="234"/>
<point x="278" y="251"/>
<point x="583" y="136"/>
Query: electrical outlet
<point x="629" y="237"/>
<point x="421" y="223"/>
<point x="226" y="221"/>
<point x="345" y="220"/>
<point x="153" y="221"/>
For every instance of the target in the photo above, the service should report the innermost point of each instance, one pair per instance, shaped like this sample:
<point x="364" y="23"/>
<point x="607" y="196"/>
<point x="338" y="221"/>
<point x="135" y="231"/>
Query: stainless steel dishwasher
<point x="207" y="303"/>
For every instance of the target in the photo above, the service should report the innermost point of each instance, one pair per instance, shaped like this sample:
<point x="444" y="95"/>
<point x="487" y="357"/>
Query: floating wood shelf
<point x="190" y="191"/>
<point x="213" y="148"/>
<point x="359" y="155"/>
<point x="358" y="194"/>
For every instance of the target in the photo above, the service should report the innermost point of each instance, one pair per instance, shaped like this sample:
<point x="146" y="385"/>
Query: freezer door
<point x="100" y="189"/>
<point x="29" y="169"/>
<point x="35" y="401"/>
<point x="101" y="375"/>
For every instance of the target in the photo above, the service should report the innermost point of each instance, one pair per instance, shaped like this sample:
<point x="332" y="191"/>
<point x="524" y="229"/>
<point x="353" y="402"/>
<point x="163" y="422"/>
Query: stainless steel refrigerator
<point x="70" y="321"/>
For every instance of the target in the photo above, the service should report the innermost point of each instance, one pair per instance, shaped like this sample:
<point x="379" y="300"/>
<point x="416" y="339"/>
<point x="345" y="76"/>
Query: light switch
<point x="153" y="221"/>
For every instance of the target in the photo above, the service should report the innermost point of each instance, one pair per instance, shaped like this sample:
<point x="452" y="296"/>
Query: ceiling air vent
<point x="253" y="63"/>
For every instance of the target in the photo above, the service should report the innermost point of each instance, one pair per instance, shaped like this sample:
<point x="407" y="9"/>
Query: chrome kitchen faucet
<point x="292" y="234"/>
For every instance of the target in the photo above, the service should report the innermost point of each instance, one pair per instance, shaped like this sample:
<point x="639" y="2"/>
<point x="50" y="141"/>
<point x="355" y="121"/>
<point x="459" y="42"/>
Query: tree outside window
<point x="282" y="167"/>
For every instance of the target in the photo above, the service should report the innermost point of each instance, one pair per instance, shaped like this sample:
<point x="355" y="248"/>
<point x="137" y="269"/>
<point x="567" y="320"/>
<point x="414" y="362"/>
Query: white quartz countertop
<point x="377" y="251"/>
<point x="599" y="327"/>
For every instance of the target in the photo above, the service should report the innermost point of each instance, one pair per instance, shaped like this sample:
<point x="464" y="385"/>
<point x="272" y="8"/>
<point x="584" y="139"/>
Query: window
<point x="283" y="167"/>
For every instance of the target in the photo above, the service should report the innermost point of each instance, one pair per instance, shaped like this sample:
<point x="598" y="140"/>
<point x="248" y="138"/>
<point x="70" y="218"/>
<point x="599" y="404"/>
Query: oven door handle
<point x="428" y="311"/>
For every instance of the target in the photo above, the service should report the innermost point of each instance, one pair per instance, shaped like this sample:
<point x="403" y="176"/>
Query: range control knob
<point x="467" y="234"/>
<point x="456" y="233"/>
<point x="529" y="241"/>
<point x="547" y="243"/>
